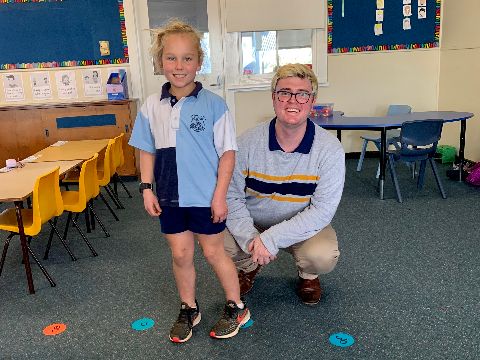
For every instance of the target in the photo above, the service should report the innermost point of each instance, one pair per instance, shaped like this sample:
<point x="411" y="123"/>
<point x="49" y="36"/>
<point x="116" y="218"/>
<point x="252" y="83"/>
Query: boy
<point x="186" y="138"/>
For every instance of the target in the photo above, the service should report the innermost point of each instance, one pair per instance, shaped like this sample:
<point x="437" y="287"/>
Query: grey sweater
<point x="291" y="196"/>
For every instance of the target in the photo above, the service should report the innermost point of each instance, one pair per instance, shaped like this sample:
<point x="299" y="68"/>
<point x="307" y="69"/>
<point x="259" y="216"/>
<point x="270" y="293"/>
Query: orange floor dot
<point x="54" y="329"/>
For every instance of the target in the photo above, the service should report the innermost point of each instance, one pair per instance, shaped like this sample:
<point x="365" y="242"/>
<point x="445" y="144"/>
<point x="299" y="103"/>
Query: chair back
<point x="47" y="199"/>
<point x="419" y="139"/>
<point x="88" y="183"/>
<point x="107" y="164"/>
<point x="120" y="159"/>
<point x="399" y="110"/>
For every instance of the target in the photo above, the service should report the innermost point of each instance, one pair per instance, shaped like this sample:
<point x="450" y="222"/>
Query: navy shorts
<point x="174" y="220"/>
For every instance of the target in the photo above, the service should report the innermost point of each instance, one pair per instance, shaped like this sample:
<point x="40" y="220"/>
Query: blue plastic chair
<point x="418" y="142"/>
<point x="392" y="135"/>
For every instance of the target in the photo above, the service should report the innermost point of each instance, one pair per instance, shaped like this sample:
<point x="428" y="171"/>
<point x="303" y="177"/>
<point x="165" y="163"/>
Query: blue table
<point x="384" y="123"/>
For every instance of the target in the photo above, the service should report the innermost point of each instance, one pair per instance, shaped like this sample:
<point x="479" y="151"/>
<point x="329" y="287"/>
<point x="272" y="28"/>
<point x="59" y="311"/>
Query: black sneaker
<point x="181" y="330"/>
<point x="233" y="317"/>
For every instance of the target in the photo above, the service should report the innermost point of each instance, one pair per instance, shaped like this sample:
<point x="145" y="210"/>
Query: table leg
<point x="339" y="135"/>
<point x="383" y="160"/>
<point x="23" y="242"/>
<point x="461" y="151"/>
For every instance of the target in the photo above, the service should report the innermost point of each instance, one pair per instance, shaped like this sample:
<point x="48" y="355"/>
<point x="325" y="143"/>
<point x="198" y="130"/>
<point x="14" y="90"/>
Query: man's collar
<point x="166" y="90"/>
<point x="304" y="146"/>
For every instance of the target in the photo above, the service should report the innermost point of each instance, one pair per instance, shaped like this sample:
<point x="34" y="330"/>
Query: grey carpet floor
<point x="406" y="287"/>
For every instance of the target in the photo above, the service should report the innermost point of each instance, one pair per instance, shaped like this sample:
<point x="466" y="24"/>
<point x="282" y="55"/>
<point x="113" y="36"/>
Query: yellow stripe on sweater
<point x="277" y="197"/>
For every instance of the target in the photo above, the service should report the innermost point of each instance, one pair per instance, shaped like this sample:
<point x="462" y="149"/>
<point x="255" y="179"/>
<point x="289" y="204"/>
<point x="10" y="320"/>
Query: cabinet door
<point x="22" y="135"/>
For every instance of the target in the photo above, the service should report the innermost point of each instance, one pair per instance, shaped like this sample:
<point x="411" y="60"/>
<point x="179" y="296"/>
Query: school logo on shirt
<point x="197" y="123"/>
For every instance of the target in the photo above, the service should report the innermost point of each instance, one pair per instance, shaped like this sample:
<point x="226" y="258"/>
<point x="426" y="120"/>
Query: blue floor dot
<point x="341" y="339"/>
<point x="247" y="324"/>
<point x="142" y="324"/>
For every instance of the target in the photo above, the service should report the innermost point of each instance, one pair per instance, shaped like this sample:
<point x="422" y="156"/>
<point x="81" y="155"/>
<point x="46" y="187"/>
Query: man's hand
<point x="150" y="202"/>
<point x="260" y="254"/>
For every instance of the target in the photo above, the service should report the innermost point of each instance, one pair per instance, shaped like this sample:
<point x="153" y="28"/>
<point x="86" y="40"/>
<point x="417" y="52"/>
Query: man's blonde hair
<point x="295" y="70"/>
<point x="174" y="26"/>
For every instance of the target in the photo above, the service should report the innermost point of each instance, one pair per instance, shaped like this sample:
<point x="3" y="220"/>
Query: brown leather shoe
<point x="309" y="291"/>
<point x="246" y="280"/>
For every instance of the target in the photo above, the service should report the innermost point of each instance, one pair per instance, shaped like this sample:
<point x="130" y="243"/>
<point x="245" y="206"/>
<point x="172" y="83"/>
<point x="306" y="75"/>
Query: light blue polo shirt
<point x="188" y="137"/>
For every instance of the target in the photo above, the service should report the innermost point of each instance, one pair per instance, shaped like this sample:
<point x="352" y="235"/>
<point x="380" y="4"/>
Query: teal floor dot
<point x="341" y="339"/>
<point x="142" y="324"/>
<point x="247" y="324"/>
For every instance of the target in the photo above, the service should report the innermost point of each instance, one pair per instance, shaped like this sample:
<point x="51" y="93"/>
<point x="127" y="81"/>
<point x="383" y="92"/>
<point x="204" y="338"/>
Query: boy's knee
<point x="182" y="257"/>
<point x="211" y="255"/>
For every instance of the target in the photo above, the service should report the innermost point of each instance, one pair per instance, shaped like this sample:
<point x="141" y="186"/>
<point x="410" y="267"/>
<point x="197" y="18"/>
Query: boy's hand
<point x="150" y="202"/>
<point x="260" y="254"/>
<point x="219" y="210"/>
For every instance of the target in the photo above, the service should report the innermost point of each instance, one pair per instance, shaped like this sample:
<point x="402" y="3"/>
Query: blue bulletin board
<point x="374" y="25"/>
<point x="61" y="33"/>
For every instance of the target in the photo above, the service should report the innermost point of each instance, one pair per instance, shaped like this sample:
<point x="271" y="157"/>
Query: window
<point x="253" y="56"/>
<point x="193" y="12"/>
<point x="263" y="51"/>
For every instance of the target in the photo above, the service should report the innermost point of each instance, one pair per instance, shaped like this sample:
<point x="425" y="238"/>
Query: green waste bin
<point x="446" y="153"/>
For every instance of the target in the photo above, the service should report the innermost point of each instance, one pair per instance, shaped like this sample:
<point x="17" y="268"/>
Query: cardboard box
<point x="117" y="87"/>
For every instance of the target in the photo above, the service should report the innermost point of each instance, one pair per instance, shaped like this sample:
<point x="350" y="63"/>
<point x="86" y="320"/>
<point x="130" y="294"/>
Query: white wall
<point x="460" y="70"/>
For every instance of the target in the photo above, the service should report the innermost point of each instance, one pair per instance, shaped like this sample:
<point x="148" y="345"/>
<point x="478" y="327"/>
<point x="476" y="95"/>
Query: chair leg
<point x="64" y="243"/>
<point x="421" y="174"/>
<point x="94" y="253"/>
<point x="362" y="155"/>
<point x="92" y="218"/>
<point x="5" y="249"/>
<point x="128" y="192"/>
<point x="114" y="198"/>
<point x="90" y="207"/>
<point x="87" y="221"/>
<point x="44" y="271"/>
<point x="393" y="174"/>
<point x="109" y="207"/>
<point x="50" y="238"/>
<point x="437" y="178"/>
<point x="115" y="185"/>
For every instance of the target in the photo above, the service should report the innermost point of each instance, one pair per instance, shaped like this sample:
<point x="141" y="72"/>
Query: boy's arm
<point x="150" y="201"/>
<point x="225" y="170"/>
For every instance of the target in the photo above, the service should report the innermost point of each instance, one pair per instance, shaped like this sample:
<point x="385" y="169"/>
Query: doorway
<point x="205" y="15"/>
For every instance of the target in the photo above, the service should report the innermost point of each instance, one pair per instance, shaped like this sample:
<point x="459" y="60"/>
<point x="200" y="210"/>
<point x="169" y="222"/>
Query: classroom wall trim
<point x="76" y="25"/>
<point x="351" y="26"/>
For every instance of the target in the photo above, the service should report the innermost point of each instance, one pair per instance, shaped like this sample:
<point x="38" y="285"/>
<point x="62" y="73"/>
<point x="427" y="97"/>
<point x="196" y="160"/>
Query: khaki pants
<point x="314" y="256"/>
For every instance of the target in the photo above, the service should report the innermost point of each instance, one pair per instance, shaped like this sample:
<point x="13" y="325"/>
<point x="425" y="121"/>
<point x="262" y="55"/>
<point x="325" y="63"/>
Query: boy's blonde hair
<point x="295" y="70"/>
<point x="174" y="26"/>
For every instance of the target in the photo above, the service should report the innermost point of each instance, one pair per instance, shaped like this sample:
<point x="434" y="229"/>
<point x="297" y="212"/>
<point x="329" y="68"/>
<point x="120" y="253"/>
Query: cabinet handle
<point x="126" y="128"/>
<point x="47" y="134"/>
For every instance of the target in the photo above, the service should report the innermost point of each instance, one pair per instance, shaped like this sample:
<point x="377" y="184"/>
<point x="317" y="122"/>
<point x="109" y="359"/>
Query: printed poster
<point x="66" y="84"/>
<point x="41" y="87"/>
<point x="13" y="87"/>
<point x="92" y="82"/>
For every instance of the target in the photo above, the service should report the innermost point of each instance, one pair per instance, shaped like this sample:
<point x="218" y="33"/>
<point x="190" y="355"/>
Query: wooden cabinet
<point x="24" y="130"/>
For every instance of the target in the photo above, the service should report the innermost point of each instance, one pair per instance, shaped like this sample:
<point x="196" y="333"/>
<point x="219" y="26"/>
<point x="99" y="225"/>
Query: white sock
<point x="241" y="305"/>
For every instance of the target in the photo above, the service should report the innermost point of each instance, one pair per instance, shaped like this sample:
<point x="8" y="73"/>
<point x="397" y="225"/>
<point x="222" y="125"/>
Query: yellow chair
<point x="78" y="201"/>
<point x="118" y="161"/>
<point x="46" y="204"/>
<point x="104" y="173"/>
<point x="103" y="176"/>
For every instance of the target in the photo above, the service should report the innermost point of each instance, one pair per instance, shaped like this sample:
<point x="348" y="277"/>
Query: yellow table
<point x="71" y="150"/>
<point x="16" y="186"/>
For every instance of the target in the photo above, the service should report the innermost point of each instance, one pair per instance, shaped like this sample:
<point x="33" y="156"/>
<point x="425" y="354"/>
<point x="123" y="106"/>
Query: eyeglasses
<point x="301" y="97"/>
